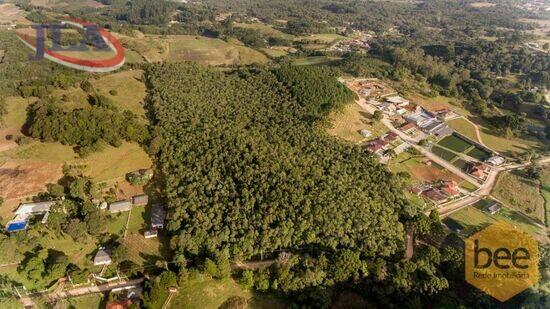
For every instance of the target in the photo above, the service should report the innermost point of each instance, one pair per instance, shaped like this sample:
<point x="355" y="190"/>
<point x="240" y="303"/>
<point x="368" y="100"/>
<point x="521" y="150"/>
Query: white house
<point x="496" y="160"/>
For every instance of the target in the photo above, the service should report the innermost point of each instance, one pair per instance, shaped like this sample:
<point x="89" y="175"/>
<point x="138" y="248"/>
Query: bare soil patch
<point x="22" y="177"/>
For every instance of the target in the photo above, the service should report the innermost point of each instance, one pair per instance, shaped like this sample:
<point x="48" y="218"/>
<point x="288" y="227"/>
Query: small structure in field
<point x="140" y="200"/>
<point x="120" y="206"/>
<point x="493" y="207"/>
<point x="102" y="257"/>
<point x="366" y="133"/>
<point x="496" y="160"/>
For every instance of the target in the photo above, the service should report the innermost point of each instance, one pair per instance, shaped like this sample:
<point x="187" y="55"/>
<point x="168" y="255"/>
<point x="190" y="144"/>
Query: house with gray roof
<point x="120" y="206"/>
<point x="158" y="216"/>
<point x="102" y="257"/>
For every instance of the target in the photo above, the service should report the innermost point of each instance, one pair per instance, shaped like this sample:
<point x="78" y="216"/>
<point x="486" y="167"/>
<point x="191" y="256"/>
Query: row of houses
<point x="126" y="205"/>
<point x="438" y="192"/>
<point x="416" y="117"/>
<point x="381" y="144"/>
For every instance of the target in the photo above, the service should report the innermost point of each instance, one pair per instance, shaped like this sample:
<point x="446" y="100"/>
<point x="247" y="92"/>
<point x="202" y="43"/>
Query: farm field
<point x="347" y="124"/>
<point x="203" y="292"/>
<point x="474" y="219"/>
<point x="530" y="201"/>
<point x="479" y="154"/>
<point x="328" y="38"/>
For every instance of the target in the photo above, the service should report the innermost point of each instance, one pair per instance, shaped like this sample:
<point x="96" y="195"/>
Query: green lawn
<point x="444" y="154"/>
<point x="455" y="143"/>
<point x="117" y="223"/>
<point x="211" y="51"/>
<point x="479" y="154"/>
<point x="520" y="193"/>
<point x="463" y="127"/>
<point x="92" y="301"/>
<point x="131" y="91"/>
<point x="315" y="60"/>
<point x="266" y="30"/>
<point x="205" y="293"/>
<point x="474" y="219"/>
<point x="348" y="122"/>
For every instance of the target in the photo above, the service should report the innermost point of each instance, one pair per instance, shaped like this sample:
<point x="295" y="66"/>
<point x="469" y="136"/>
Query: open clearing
<point x="203" y="292"/>
<point x="315" y="60"/>
<point x="211" y="51"/>
<point x="420" y="171"/>
<point x="9" y="13"/>
<point x="438" y="103"/>
<point x="266" y="30"/>
<point x="463" y="127"/>
<point x="482" y="4"/>
<point x="474" y="219"/>
<point x="347" y="124"/>
<point x="520" y="193"/>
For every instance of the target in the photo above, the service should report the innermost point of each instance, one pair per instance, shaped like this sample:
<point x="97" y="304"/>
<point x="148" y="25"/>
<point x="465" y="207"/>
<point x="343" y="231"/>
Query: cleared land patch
<point x="348" y="123"/>
<point x="203" y="292"/>
<point x="474" y="219"/>
<point x="416" y="166"/>
<point x="211" y="51"/>
<point x="520" y="193"/>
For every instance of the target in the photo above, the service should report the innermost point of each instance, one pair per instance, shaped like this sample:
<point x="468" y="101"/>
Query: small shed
<point x="102" y="257"/>
<point x="140" y="199"/>
<point x="158" y="216"/>
<point x="120" y="206"/>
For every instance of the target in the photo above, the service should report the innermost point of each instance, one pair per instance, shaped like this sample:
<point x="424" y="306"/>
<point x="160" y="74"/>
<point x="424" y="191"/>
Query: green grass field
<point x="266" y="30"/>
<point x="92" y="301"/>
<point x="474" y="219"/>
<point x="211" y="51"/>
<point x="444" y="154"/>
<point x="274" y="53"/>
<point x="479" y="154"/>
<point x="347" y="124"/>
<point x="315" y="60"/>
<point x="463" y="127"/>
<point x="520" y="193"/>
<point x="455" y="143"/>
<point x="16" y="112"/>
<point x="205" y="293"/>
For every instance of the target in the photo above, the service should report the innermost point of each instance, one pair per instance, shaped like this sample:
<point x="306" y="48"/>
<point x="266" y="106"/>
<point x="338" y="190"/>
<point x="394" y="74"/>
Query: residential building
<point x="34" y="208"/>
<point x="479" y="170"/>
<point x="366" y="133"/>
<point x="158" y="216"/>
<point x="120" y="206"/>
<point x="102" y="257"/>
<point x="435" y="195"/>
<point x="493" y="207"/>
<point x="496" y="160"/>
<point x="398" y="101"/>
<point x="408" y="128"/>
<point x="451" y="188"/>
<point x="387" y="108"/>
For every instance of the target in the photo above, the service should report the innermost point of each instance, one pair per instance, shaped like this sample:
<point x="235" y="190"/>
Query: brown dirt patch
<point x="19" y="178"/>
<point x="4" y="143"/>
<point x="430" y="173"/>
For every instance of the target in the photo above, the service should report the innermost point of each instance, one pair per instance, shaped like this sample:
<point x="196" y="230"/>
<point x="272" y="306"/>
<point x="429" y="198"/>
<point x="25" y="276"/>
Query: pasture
<point x="463" y="127"/>
<point x="518" y="192"/>
<point x="210" y="51"/>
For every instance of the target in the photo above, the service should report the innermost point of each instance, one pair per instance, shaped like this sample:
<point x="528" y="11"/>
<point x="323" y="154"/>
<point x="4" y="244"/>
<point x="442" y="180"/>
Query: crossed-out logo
<point x="95" y="38"/>
<point x="501" y="261"/>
